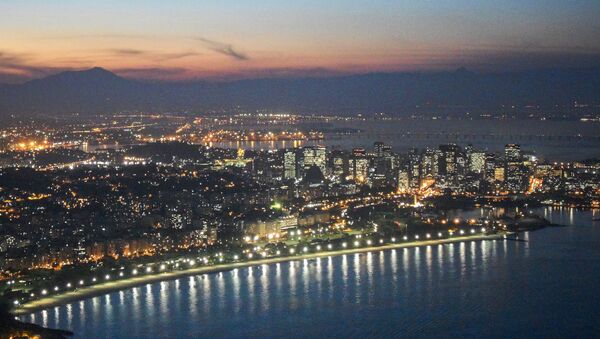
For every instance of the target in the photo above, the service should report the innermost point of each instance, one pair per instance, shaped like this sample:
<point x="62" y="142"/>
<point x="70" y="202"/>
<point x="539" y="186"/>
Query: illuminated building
<point x="499" y="174"/>
<point x="477" y="162"/>
<point x="512" y="152"/>
<point x="403" y="184"/>
<point x="289" y="164"/>
<point x="315" y="156"/>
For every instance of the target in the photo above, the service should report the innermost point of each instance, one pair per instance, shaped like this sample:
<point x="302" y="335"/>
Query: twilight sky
<point x="227" y="39"/>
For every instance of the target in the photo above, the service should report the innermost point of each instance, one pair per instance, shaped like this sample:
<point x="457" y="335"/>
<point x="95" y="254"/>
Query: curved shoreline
<point x="107" y="287"/>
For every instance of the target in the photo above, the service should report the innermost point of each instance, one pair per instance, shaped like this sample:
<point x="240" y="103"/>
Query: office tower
<point x="403" y="184"/>
<point x="512" y="152"/>
<point x="477" y="162"/>
<point x="360" y="165"/>
<point x="289" y="164"/>
<point x="315" y="156"/>
<point x="489" y="167"/>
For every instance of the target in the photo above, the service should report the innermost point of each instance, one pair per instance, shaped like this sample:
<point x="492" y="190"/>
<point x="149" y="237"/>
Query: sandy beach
<point x="107" y="287"/>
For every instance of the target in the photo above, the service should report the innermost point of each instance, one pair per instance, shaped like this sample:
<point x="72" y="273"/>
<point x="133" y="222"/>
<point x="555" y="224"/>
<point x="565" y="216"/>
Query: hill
<point x="100" y="91"/>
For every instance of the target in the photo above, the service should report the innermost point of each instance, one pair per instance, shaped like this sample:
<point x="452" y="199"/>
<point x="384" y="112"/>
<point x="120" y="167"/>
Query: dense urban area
<point x="89" y="200"/>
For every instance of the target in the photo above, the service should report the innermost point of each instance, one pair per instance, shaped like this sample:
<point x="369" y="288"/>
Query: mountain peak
<point x="87" y="76"/>
<point x="95" y="71"/>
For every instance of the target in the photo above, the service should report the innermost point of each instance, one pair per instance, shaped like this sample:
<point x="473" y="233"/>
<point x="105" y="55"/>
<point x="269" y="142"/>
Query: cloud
<point x="127" y="51"/>
<point x="223" y="48"/>
<point x="151" y="73"/>
<point x="152" y="55"/>
<point x="18" y="67"/>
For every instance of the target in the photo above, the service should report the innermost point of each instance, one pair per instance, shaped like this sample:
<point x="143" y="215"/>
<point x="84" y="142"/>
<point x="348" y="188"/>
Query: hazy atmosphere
<point x="183" y="40"/>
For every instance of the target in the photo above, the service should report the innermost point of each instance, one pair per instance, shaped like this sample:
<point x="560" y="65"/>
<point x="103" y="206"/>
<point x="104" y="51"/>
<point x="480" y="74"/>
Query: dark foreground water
<point x="548" y="286"/>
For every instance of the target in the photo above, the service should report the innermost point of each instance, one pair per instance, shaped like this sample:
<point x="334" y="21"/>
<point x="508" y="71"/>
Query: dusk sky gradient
<point x="185" y="40"/>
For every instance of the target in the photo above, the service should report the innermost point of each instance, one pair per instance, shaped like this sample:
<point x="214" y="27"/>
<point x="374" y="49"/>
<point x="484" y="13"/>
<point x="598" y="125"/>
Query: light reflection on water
<point x="439" y="290"/>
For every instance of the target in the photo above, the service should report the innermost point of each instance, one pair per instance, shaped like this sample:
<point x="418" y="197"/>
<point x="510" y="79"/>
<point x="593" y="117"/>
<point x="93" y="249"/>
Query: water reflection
<point x="393" y="289"/>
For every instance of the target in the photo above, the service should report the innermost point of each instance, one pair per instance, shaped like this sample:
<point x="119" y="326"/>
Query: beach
<point x="107" y="287"/>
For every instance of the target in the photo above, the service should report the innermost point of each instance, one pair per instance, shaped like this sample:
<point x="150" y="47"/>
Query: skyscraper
<point x="315" y="156"/>
<point x="289" y="164"/>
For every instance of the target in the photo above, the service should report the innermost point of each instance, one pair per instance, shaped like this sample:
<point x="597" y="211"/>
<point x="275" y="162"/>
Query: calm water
<point x="545" y="287"/>
<point x="550" y="140"/>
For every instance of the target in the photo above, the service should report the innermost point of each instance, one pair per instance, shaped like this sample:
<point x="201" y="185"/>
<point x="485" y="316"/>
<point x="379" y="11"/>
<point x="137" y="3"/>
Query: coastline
<point x="108" y="287"/>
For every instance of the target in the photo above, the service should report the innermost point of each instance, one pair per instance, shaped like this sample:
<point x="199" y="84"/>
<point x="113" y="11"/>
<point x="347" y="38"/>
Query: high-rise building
<point x="403" y="184"/>
<point x="499" y="174"/>
<point x="489" y="167"/>
<point x="429" y="163"/>
<point x="339" y="164"/>
<point x="512" y="152"/>
<point x="359" y="165"/>
<point x="447" y="162"/>
<point x="477" y="162"/>
<point x="315" y="156"/>
<point x="378" y="146"/>
<point x="289" y="164"/>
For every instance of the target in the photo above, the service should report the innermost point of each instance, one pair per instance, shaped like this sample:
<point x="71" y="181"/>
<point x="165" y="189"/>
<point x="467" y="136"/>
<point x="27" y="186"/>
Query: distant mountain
<point x="100" y="91"/>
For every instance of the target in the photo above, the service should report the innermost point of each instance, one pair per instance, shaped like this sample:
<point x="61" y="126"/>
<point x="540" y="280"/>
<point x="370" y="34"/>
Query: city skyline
<point x="238" y="39"/>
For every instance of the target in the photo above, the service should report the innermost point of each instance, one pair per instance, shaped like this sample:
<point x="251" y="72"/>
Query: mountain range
<point x="97" y="90"/>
